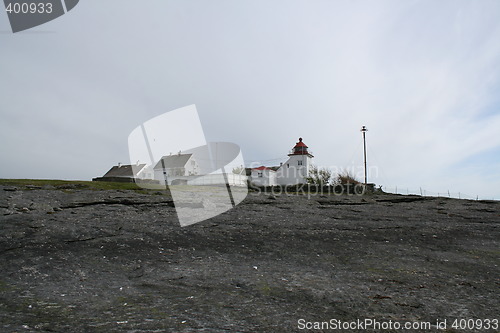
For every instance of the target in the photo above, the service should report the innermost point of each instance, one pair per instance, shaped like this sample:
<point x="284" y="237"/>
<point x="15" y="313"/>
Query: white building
<point x="182" y="169"/>
<point x="296" y="169"/>
<point x="175" y="168"/>
<point x="263" y="176"/>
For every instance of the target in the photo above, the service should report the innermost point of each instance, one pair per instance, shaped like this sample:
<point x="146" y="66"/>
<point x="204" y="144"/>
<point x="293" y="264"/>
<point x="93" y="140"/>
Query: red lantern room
<point x="300" y="149"/>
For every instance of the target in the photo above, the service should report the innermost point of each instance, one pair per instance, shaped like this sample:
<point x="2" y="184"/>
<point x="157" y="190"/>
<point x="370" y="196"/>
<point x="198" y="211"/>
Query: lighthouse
<point x="296" y="169"/>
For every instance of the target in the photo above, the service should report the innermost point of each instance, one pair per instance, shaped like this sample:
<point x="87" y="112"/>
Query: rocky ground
<point x="81" y="260"/>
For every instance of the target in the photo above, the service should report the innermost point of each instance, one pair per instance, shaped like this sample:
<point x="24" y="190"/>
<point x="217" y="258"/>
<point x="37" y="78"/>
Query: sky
<point x="422" y="76"/>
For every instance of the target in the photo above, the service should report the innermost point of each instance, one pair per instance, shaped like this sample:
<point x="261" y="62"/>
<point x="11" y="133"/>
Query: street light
<point x="363" y="130"/>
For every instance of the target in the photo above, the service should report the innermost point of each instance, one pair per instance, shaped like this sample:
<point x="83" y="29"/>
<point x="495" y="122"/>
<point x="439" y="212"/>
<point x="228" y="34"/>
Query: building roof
<point x="124" y="170"/>
<point x="263" y="168"/>
<point x="300" y="144"/>
<point x="173" y="161"/>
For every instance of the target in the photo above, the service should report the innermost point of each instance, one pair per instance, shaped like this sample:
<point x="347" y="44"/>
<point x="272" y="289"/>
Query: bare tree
<point x="238" y="170"/>
<point x="319" y="176"/>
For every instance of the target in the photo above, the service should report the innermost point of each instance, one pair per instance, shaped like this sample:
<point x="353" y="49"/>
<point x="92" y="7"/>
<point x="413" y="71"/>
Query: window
<point x="300" y="162"/>
<point x="260" y="174"/>
<point x="287" y="165"/>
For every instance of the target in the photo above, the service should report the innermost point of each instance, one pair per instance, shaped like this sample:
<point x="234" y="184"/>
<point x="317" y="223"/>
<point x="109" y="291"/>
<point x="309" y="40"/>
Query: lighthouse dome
<point x="300" y="149"/>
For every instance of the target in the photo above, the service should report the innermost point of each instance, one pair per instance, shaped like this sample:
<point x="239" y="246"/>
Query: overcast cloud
<point x="423" y="76"/>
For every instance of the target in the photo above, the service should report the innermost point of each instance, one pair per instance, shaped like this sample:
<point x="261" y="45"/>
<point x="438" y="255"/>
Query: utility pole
<point x="363" y="130"/>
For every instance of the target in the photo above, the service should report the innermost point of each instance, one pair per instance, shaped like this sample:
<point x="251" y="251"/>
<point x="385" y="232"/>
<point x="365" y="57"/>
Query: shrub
<point x="345" y="177"/>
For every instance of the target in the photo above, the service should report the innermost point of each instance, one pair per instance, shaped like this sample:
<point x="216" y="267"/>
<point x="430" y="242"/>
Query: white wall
<point x="212" y="179"/>
<point x="146" y="173"/>
<point x="190" y="169"/>
<point x="291" y="172"/>
<point x="268" y="177"/>
<point x="159" y="176"/>
<point x="218" y="179"/>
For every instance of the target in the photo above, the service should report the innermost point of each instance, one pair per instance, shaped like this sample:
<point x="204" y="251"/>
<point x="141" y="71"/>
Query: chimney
<point x="179" y="153"/>
<point x="119" y="164"/>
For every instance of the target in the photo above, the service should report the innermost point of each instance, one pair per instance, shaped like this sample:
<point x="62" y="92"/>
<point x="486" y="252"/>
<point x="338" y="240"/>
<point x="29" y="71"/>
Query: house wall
<point x="158" y="174"/>
<point x="175" y="173"/>
<point x="146" y="173"/>
<point x="189" y="169"/>
<point x="268" y="177"/>
<point x="295" y="170"/>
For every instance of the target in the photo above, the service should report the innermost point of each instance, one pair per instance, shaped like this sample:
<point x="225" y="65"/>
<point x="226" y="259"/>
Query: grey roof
<point x="173" y="161"/>
<point x="124" y="170"/>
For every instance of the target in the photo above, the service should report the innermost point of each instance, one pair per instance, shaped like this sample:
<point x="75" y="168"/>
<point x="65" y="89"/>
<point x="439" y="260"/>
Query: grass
<point x="70" y="185"/>
<point x="61" y="184"/>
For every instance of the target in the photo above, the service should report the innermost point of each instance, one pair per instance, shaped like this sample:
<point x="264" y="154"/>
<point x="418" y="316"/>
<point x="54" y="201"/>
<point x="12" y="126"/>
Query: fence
<point x="426" y="193"/>
<point x="218" y="179"/>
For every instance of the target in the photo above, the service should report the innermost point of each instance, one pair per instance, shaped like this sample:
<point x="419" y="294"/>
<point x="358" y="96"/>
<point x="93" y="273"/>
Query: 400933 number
<point x="475" y="324"/>
<point x="29" y="8"/>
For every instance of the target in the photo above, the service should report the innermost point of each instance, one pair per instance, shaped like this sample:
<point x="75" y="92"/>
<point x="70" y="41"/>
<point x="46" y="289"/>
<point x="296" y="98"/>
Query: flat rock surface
<point x="81" y="260"/>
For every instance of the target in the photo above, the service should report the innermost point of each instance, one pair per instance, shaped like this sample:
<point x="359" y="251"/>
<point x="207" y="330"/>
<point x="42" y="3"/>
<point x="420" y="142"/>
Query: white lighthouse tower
<point x="296" y="169"/>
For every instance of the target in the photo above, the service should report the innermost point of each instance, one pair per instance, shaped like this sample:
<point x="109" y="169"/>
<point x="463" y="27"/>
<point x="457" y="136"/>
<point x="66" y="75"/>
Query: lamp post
<point x="363" y="130"/>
